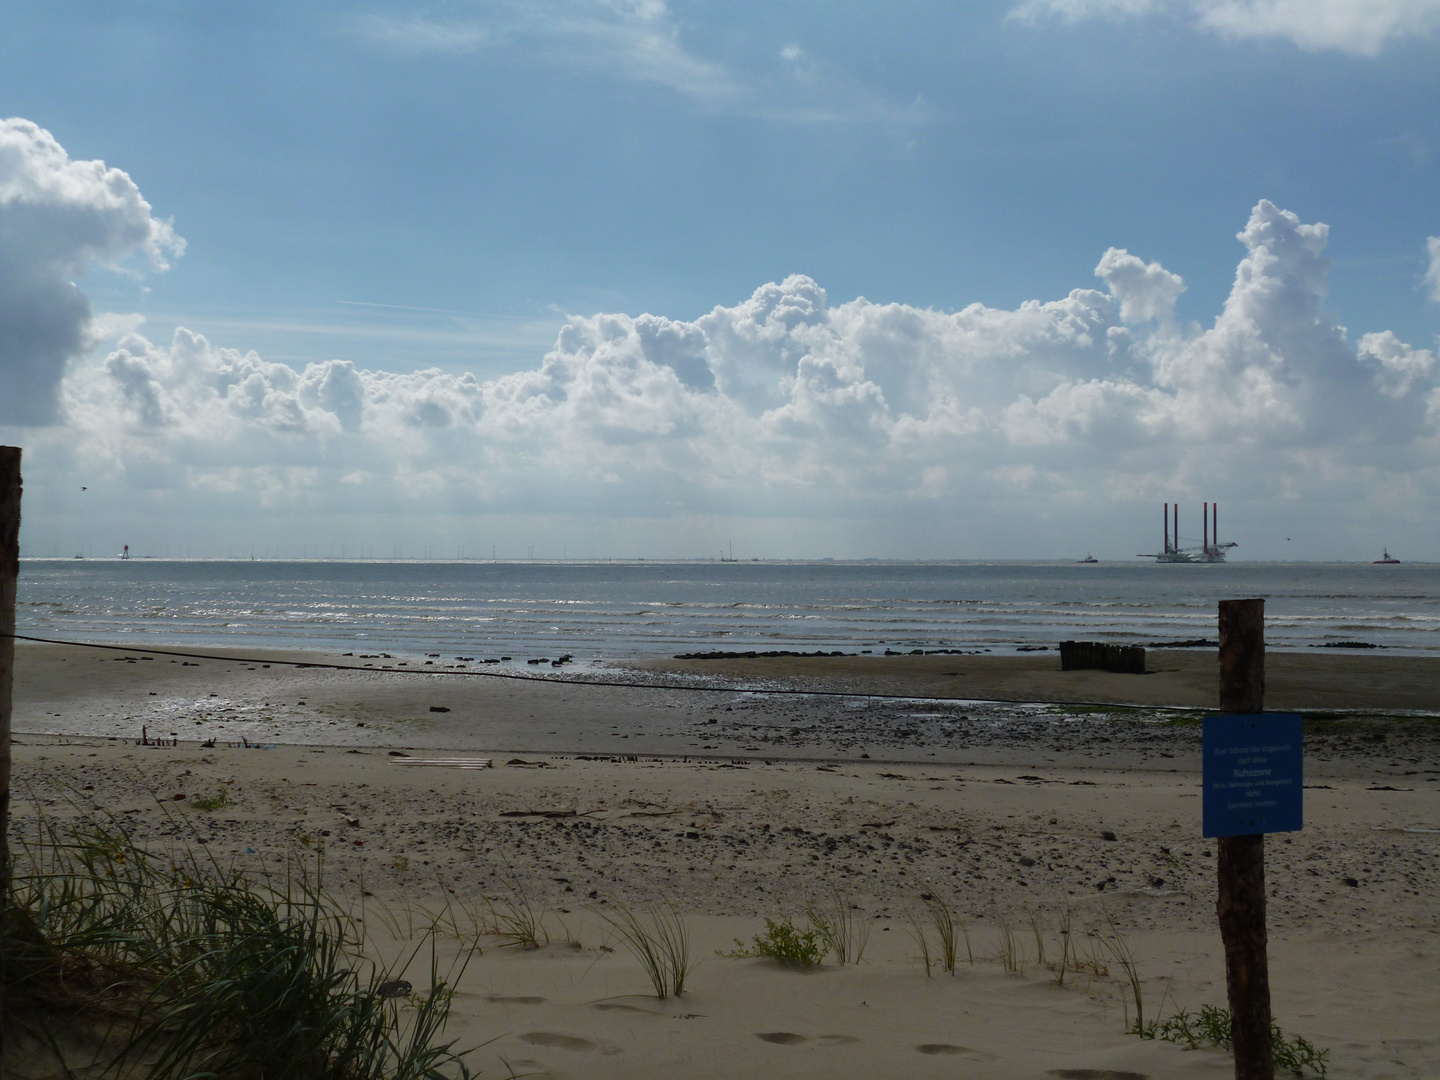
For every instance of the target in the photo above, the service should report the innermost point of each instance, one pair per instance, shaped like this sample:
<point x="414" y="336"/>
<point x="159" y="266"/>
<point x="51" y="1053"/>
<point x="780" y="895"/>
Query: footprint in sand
<point x="782" y="1038"/>
<point x="566" y="1042"/>
<point x="951" y="1050"/>
<point x="1096" y="1074"/>
<point x="500" y="999"/>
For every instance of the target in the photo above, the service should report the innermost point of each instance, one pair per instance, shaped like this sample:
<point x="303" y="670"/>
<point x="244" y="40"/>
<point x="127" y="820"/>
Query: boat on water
<point x="1088" y="558"/>
<point x="1386" y="560"/>
<point x="1210" y="549"/>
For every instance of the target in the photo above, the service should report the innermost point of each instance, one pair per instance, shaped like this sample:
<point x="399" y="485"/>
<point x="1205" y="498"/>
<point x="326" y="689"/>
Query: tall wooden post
<point x="1240" y="905"/>
<point x="9" y="575"/>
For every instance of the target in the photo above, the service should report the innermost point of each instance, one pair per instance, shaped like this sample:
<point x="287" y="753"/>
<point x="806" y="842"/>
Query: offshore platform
<point x="1210" y="549"/>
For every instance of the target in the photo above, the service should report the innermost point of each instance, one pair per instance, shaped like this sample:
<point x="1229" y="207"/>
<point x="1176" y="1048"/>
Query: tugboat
<point x="1386" y="560"/>
<point x="1088" y="558"/>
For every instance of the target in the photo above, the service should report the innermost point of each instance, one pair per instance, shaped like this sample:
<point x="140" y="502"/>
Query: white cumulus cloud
<point x="1432" y="273"/>
<point x="1362" y="27"/>
<point x="58" y="218"/>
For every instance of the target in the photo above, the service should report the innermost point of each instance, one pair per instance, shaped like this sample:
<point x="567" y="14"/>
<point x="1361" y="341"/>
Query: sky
<point x="637" y="278"/>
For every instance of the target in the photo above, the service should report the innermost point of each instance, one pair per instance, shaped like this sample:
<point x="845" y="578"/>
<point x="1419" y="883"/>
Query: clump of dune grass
<point x="1037" y="928"/>
<point x="845" y="934"/>
<point x="1123" y="955"/>
<point x="952" y="930"/>
<point x="916" y="930"/>
<point x="1012" y="953"/>
<point x="658" y="938"/>
<point x="1211" y="1027"/>
<point x="1075" y="959"/>
<point x="516" y="918"/>
<point x="170" y="966"/>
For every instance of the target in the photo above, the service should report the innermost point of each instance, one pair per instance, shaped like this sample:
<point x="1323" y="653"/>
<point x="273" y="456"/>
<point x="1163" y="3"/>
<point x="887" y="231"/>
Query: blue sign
<point x="1253" y="774"/>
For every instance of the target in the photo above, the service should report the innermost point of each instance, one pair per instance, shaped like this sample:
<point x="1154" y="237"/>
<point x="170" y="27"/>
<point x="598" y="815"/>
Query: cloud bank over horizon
<point x="782" y="406"/>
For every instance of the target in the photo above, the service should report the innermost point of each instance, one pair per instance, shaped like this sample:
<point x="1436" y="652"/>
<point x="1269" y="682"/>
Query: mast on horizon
<point x="1211" y="550"/>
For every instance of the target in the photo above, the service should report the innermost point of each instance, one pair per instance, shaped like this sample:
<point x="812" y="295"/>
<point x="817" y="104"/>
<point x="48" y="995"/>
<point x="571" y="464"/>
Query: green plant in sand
<point x="784" y="942"/>
<point x="209" y="803"/>
<point x="121" y="961"/>
<point x="1211" y="1027"/>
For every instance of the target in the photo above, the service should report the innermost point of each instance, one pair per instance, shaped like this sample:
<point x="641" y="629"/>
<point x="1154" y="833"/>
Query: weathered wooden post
<point x="1240" y="905"/>
<point x="9" y="576"/>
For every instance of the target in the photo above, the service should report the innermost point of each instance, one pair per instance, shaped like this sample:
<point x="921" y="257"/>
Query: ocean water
<point x="605" y="611"/>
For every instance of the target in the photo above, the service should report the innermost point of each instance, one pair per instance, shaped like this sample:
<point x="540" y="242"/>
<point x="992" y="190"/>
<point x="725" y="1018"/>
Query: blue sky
<point x="441" y="186"/>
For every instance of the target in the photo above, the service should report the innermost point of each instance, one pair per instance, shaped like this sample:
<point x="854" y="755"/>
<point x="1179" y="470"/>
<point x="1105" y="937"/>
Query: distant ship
<point x="1210" y="549"/>
<point x="1386" y="560"/>
<point x="1088" y="558"/>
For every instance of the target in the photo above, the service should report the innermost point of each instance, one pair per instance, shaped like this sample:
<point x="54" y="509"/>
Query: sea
<point x="601" y="612"/>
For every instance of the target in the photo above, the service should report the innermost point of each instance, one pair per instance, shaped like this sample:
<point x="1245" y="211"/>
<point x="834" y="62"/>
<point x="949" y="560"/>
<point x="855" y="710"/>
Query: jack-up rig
<point x="1210" y="549"/>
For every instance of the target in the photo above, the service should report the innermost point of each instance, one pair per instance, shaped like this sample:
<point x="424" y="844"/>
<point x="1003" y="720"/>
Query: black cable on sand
<point x="617" y="683"/>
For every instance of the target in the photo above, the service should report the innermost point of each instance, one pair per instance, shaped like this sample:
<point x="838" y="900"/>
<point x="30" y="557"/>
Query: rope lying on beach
<point x="619" y="683"/>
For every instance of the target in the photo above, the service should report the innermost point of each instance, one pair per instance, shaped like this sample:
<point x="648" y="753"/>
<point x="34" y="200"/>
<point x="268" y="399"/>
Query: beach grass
<point x="917" y="931"/>
<point x="845" y="933"/>
<point x="1119" y="949"/>
<point x="658" y="938"/>
<point x="1012" y="953"/>
<point x="951" y="930"/>
<point x="516" y="918"/>
<point x="127" y="961"/>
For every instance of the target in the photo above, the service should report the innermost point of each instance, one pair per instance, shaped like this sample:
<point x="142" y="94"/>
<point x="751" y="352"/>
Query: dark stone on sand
<point x="1351" y="882"/>
<point x="1108" y="835"/>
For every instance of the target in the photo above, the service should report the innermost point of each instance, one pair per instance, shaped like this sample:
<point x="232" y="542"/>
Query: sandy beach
<point x="737" y="806"/>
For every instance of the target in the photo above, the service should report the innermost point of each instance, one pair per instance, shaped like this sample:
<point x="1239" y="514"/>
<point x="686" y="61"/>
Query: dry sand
<point x="740" y="806"/>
